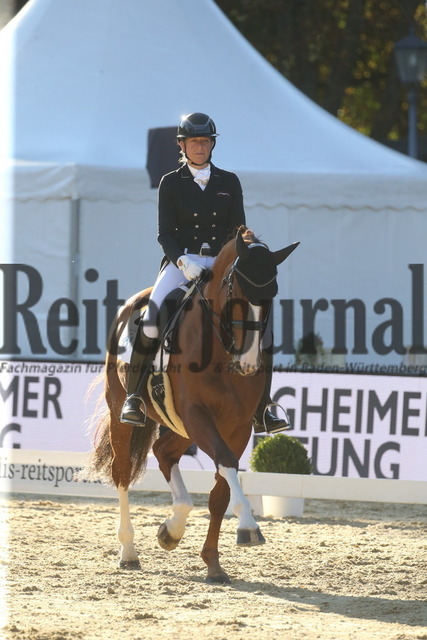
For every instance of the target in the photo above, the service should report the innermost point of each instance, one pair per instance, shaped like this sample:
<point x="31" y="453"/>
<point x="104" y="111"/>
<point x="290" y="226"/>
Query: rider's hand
<point x="190" y="269"/>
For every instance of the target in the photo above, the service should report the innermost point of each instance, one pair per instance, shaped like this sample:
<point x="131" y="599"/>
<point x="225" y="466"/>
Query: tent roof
<point x="26" y="180"/>
<point x="85" y="81"/>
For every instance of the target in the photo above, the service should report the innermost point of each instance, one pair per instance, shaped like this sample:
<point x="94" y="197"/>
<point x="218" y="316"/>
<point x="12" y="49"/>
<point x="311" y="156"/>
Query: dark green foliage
<point x="280" y="454"/>
<point x="340" y="54"/>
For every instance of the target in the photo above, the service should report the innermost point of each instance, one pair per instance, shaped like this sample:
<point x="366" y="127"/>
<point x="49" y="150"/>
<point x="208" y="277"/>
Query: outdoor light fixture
<point x="411" y="60"/>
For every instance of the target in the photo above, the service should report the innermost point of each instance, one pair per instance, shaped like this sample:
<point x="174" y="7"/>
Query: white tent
<point x="83" y="84"/>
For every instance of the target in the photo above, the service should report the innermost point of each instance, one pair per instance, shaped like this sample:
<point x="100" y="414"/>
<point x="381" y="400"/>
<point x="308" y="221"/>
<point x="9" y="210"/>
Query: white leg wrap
<point x="182" y="504"/>
<point x="125" y="532"/>
<point x="238" y="501"/>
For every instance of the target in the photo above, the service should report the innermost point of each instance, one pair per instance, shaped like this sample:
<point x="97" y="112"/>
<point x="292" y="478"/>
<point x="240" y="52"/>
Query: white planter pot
<point x="256" y="505"/>
<point x="278" y="506"/>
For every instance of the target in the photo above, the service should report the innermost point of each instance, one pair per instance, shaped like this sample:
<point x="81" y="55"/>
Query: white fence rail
<point x="52" y="473"/>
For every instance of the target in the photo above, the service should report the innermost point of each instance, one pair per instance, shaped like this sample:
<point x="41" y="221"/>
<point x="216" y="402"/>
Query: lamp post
<point x="411" y="59"/>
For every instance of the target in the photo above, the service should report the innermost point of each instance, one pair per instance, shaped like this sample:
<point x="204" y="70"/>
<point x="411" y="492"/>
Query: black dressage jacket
<point x="189" y="216"/>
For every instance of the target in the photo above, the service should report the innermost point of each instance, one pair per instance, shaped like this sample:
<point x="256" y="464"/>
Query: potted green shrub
<point x="281" y="454"/>
<point x="309" y="350"/>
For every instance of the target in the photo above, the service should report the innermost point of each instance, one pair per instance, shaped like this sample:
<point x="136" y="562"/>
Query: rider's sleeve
<point x="237" y="211"/>
<point x="167" y="223"/>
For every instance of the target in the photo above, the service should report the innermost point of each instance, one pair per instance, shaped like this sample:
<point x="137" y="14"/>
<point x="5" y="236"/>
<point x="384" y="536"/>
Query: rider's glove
<point x="190" y="269"/>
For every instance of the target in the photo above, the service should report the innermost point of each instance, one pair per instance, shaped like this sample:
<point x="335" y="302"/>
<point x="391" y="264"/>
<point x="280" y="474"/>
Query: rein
<point x="212" y="315"/>
<point x="229" y="324"/>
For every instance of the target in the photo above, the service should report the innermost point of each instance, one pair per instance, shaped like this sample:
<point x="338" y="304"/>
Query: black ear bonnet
<point x="256" y="273"/>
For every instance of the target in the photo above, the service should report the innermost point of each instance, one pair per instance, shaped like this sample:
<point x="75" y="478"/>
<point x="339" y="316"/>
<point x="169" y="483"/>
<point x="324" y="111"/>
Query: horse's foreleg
<point x="227" y="489"/>
<point x="209" y="440"/>
<point x="125" y="533"/>
<point x="226" y="461"/>
<point x="248" y="532"/>
<point x="218" y="500"/>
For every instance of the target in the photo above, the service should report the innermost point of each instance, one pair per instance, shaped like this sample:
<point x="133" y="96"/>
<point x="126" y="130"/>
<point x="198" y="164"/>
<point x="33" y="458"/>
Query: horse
<point x="216" y="378"/>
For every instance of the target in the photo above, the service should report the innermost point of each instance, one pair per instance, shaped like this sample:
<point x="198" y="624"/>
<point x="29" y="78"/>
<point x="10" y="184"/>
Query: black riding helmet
<point x="197" y="125"/>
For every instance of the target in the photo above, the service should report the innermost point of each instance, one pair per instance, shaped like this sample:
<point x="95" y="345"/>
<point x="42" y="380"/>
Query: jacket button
<point x="214" y="213"/>
<point x="196" y="226"/>
<point x="195" y="214"/>
<point x="194" y="237"/>
<point x="213" y="226"/>
<point x="213" y="237"/>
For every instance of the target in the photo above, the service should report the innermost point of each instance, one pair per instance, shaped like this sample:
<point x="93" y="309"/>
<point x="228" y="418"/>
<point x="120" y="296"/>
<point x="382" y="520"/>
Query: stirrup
<point x="141" y="419"/>
<point x="282" y="424"/>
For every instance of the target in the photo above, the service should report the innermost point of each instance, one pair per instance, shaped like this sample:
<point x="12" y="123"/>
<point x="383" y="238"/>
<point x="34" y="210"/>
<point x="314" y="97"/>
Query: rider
<point x="199" y="206"/>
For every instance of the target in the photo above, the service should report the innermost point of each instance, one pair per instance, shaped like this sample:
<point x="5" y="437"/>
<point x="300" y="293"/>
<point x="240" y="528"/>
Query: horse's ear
<point x="281" y="255"/>
<point x="241" y="246"/>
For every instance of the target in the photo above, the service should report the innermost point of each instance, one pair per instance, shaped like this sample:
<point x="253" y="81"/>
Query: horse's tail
<point x="99" y="465"/>
<point x="106" y="420"/>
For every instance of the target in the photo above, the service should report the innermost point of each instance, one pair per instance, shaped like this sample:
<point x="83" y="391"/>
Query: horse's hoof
<point x="130" y="565"/>
<point x="165" y="540"/>
<point x="220" y="579"/>
<point x="249" y="537"/>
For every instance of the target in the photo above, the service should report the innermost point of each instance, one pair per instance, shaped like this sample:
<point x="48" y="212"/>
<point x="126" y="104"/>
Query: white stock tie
<point x="202" y="177"/>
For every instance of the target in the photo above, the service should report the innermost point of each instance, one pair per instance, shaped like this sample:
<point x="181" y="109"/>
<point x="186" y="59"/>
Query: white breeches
<point x="168" y="279"/>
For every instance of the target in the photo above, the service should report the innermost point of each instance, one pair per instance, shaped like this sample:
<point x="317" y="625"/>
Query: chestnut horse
<point x="216" y="378"/>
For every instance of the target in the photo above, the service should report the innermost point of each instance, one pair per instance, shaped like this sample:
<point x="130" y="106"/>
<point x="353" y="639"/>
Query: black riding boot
<point x="142" y="356"/>
<point x="264" y="419"/>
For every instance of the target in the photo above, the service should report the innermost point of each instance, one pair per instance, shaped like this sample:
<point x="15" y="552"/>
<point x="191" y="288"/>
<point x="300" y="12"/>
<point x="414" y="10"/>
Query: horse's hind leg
<point x="123" y="473"/>
<point x="168" y="450"/>
<point x="125" y="533"/>
<point x="120" y="470"/>
<point x="172" y="530"/>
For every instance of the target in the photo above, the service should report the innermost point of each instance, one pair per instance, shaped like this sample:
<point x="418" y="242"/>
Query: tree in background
<point x="340" y="54"/>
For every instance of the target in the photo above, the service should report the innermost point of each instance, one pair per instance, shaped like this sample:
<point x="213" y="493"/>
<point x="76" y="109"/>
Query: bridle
<point x="225" y="322"/>
<point x="228" y="281"/>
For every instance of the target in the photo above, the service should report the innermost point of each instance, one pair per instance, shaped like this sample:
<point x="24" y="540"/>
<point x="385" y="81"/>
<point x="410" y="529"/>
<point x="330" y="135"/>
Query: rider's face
<point x="197" y="151"/>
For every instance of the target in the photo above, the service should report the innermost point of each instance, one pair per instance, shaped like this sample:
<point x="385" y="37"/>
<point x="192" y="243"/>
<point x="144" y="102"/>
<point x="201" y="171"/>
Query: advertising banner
<point x="48" y="406"/>
<point x="355" y="426"/>
<point x="358" y="426"/>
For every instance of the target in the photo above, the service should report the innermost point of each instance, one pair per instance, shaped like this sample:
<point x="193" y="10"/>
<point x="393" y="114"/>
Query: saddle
<point x="158" y="384"/>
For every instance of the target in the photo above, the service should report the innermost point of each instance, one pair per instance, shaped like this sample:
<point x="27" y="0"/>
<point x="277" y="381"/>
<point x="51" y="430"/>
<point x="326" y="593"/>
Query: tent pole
<point x="75" y="257"/>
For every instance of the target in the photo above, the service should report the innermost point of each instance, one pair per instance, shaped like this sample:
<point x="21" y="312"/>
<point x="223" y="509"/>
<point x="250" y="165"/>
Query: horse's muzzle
<point x="244" y="369"/>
